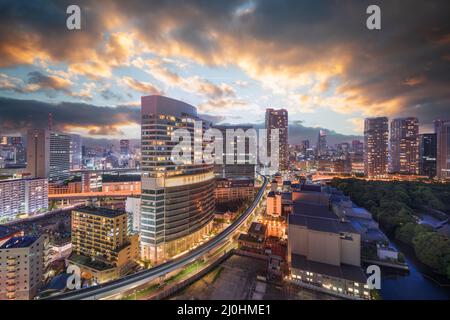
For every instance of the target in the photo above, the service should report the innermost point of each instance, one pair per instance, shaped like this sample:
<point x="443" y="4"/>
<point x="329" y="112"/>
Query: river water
<point x="418" y="284"/>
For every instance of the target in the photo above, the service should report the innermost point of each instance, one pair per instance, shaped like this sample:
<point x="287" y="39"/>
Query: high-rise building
<point x="304" y="145"/>
<point x="59" y="166"/>
<point x="235" y="169"/>
<point x="357" y="147"/>
<point x="18" y="196"/>
<point x="22" y="266"/>
<point x="12" y="152"/>
<point x="376" y="134"/>
<point x="76" y="145"/>
<point x="177" y="201"/>
<point x="48" y="154"/>
<point x="404" y="146"/>
<point x="322" y="144"/>
<point x="124" y="146"/>
<point x="278" y="119"/>
<point x="101" y="246"/>
<point x="427" y="155"/>
<point x="442" y="130"/>
<point x="38" y="153"/>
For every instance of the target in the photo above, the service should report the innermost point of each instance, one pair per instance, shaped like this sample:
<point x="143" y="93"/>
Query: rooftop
<point x="321" y="224"/>
<point x="257" y="228"/>
<point x="311" y="187"/>
<point x="344" y="271"/>
<point x="89" y="262"/>
<point x="100" y="211"/>
<point x="313" y="209"/>
<point x="248" y="238"/>
<point x="19" y="242"/>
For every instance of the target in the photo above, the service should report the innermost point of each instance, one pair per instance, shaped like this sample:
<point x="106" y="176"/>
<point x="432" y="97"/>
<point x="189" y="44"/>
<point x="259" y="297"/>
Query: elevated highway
<point x="132" y="281"/>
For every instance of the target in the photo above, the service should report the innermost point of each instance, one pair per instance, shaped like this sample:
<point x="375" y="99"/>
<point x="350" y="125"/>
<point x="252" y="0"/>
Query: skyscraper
<point x="405" y="145"/>
<point x="322" y="144"/>
<point x="124" y="146"/>
<point x="376" y="133"/>
<point x="278" y="119"/>
<point x="235" y="169"/>
<point x="38" y="151"/>
<point x="177" y="202"/>
<point x="59" y="161"/>
<point x="48" y="154"/>
<point x="427" y="154"/>
<point x="304" y="145"/>
<point x="75" y="151"/>
<point x="442" y="130"/>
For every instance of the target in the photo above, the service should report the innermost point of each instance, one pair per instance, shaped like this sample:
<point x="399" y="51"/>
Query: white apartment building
<point x="19" y="196"/>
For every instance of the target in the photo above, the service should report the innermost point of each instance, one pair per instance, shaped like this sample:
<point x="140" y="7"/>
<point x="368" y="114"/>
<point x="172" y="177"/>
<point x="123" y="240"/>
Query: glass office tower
<point x="177" y="201"/>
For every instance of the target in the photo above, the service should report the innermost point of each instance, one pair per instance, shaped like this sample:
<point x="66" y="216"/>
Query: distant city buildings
<point x="48" y="154"/>
<point x="12" y="152"/>
<point x="76" y="144"/>
<point x="124" y="146"/>
<point x="404" y="146"/>
<point x="322" y="144"/>
<point x="427" y="154"/>
<point x="23" y="261"/>
<point x="304" y="145"/>
<point x="442" y="130"/>
<point x="278" y="119"/>
<point x="376" y="136"/>
<point x="177" y="204"/>
<point x="22" y="196"/>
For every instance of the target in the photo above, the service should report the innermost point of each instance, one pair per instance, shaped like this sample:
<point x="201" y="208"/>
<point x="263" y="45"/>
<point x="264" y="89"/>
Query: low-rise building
<point x="22" y="267"/>
<point x="273" y="203"/>
<point x="324" y="252"/>
<point x="234" y="189"/>
<point x="254" y="239"/>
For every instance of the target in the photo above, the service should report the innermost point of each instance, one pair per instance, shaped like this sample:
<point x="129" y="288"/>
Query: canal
<point x="419" y="284"/>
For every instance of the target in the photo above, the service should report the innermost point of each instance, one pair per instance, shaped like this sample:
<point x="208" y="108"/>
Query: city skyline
<point x="224" y="150"/>
<point x="324" y="81"/>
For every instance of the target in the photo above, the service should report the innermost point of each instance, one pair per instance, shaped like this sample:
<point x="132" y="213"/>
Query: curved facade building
<point x="177" y="201"/>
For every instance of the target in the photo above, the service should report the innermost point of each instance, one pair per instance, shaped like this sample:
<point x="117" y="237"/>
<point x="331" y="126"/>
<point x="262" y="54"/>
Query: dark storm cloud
<point x="403" y="69"/>
<point x="19" y="115"/>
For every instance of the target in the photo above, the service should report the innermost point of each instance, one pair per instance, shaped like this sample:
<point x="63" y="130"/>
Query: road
<point x="132" y="281"/>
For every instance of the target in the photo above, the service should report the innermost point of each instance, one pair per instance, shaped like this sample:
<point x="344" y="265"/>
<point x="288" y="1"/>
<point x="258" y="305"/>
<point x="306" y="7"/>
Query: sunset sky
<point x="231" y="59"/>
